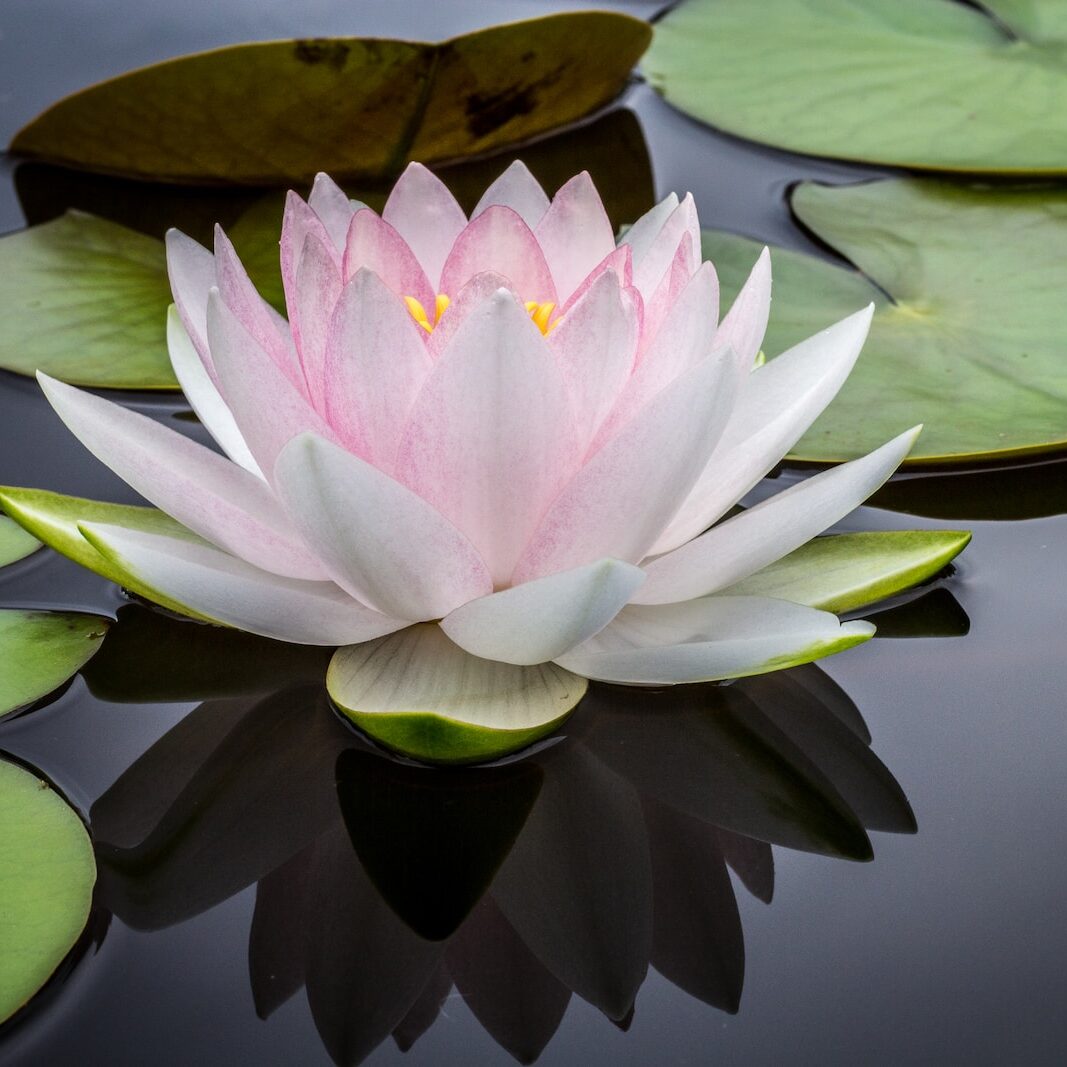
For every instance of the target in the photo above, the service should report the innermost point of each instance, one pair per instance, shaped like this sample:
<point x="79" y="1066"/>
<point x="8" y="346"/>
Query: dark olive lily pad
<point x="970" y="328"/>
<point x="932" y="84"/>
<point x="349" y="106"/>
<point x="40" y="650"/>
<point x="15" y="542"/>
<point x="47" y="872"/>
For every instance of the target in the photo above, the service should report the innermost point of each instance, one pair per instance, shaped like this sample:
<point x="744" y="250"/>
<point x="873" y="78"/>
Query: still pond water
<point x="272" y="891"/>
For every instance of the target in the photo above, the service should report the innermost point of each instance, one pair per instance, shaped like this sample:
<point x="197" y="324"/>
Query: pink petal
<point x="329" y="201"/>
<point x="519" y="190"/>
<point x="671" y="286"/>
<point x="623" y="497"/>
<point x="425" y="214"/>
<point x="657" y="258"/>
<point x="374" y="244"/>
<point x="620" y="260"/>
<point x="268" y="409"/>
<point x="269" y="329"/>
<point x="596" y="345"/>
<point x="213" y="497"/>
<point x="316" y="290"/>
<point x="479" y="288"/>
<point x="499" y="241"/>
<point x="298" y="221"/>
<point x="380" y="541"/>
<point x="491" y="439"/>
<point x="575" y="234"/>
<point x="376" y="363"/>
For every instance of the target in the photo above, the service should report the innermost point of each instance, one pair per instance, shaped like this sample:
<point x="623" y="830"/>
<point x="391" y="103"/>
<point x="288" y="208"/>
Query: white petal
<point x="221" y="587"/>
<point x="618" y="503"/>
<point x="745" y="323"/>
<point x="777" y="404"/>
<point x="201" y="489"/>
<point x="519" y="190"/>
<point x="191" y="269"/>
<point x="542" y="619"/>
<point x="646" y="229"/>
<point x="772" y="529"/>
<point x="334" y="209"/>
<point x="202" y="395"/>
<point x="377" y="538"/>
<point x="710" y="639"/>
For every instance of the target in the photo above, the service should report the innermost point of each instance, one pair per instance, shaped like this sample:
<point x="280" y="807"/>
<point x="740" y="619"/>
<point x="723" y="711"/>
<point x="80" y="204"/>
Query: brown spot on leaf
<point x="322" y="50"/>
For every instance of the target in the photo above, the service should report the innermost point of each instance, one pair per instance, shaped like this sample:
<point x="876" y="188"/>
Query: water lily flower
<point x="511" y="427"/>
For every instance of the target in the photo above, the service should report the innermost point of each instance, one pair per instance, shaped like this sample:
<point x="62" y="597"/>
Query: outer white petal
<point x="778" y="402"/>
<point x="772" y="529"/>
<point x="377" y="538"/>
<point x="202" y="395"/>
<point x="618" y="503"/>
<point x="646" y="229"/>
<point x="710" y="639"/>
<point x="191" y="269"/>
<point x="744" y="325"/>
<point x="519" y="190"/>
<point x="221" y="587"/>
<point x="201" y="489"/>
<point x="542" y="619"/>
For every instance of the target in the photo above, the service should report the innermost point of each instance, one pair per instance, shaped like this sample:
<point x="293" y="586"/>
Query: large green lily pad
<point x="931" y="84"/>
<point x="970" y="328"/>
<point x="15" y="542"/>
<point x="40" y="650"/>
<point x="279" y="111"/>
<point x="47" y="873"/>
<point x="86" y="301"/>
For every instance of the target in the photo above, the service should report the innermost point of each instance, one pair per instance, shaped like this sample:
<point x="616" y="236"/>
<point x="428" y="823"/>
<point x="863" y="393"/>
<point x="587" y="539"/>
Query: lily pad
<point x="15" y="542"/>
<point x="54" y="519"/>
<point x="970" y="322"/>
<point x="350" y="106"/>
<point x="931" y="84"/>
<point x="422" y="696"/>
<point x="86" y="301"/>
<point x="40" y="650"/>
<point x="842" y="572"/>
<point x="47" y="873"/>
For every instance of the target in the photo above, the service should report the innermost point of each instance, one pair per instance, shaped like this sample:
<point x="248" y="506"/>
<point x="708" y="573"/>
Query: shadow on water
<point x="382" y="886"/>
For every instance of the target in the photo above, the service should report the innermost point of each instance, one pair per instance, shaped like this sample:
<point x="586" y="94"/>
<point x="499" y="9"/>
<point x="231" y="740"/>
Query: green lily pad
<point x="40" y="650"/>
<point x="842" y="572"/>
<point x="54" y="519"/>
<point x="970" y="322"/>
<point x="931" y="84"/>
<point x="86" y="301"/>
<point x="348" y="105"/>
<point x="47" y="873"/>
<point x="15" y="542"/>
<point x="422" y="696"/>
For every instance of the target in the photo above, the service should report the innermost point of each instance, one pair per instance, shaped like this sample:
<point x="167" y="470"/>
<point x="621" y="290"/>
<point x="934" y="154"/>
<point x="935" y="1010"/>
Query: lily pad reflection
<point x="382" y="886"/>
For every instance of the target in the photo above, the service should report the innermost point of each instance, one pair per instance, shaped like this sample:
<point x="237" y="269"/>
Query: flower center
<point x="540" y="313"/>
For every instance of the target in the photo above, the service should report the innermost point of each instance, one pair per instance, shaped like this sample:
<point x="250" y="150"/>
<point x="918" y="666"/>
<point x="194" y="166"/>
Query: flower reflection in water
<point x="383" y="885"/>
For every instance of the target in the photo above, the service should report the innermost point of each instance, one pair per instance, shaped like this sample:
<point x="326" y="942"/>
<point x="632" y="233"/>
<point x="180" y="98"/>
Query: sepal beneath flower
<point x="420" y="695"/>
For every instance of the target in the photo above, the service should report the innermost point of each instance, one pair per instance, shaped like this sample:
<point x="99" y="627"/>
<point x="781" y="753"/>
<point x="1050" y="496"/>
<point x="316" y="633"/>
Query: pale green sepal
<point x="15" y="542"/>
<point x="842" y="572"/>
<point x="852" y="634"/>
<point x="55" y="518"/>
<point x="40" y="650"/>
<point x="422" y="696"/>
<point x="47" y="874"/>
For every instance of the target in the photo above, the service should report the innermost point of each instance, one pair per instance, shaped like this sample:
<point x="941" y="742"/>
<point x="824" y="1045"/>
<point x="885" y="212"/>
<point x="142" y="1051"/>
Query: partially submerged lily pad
<point x="917" y="83"/>
<point x="422" y="696"/>
<point x="972" y="345"/>
<point x="86" y="301"/>
<point x="40" y="650"/>
<point x="47" y="873"/>
<point x="350" y="106"/>
<point x="15" y="542"/>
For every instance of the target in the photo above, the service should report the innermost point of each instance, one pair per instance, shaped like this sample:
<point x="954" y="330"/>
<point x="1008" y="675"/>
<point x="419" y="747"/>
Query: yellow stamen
<point x="441" y="307"/>
<point x="542" y="315"/>
<point x="418" y="313"/>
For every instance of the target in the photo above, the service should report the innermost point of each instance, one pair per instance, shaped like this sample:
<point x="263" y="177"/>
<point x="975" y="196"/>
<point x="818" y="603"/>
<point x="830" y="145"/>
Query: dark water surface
<point x="272" y="891"/>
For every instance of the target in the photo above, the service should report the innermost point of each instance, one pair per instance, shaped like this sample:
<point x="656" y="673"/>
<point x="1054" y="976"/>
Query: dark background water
<point x="948" y="947"/>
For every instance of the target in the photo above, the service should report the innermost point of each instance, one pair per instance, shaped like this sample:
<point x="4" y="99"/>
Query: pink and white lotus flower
<point x="511" y="426"/>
